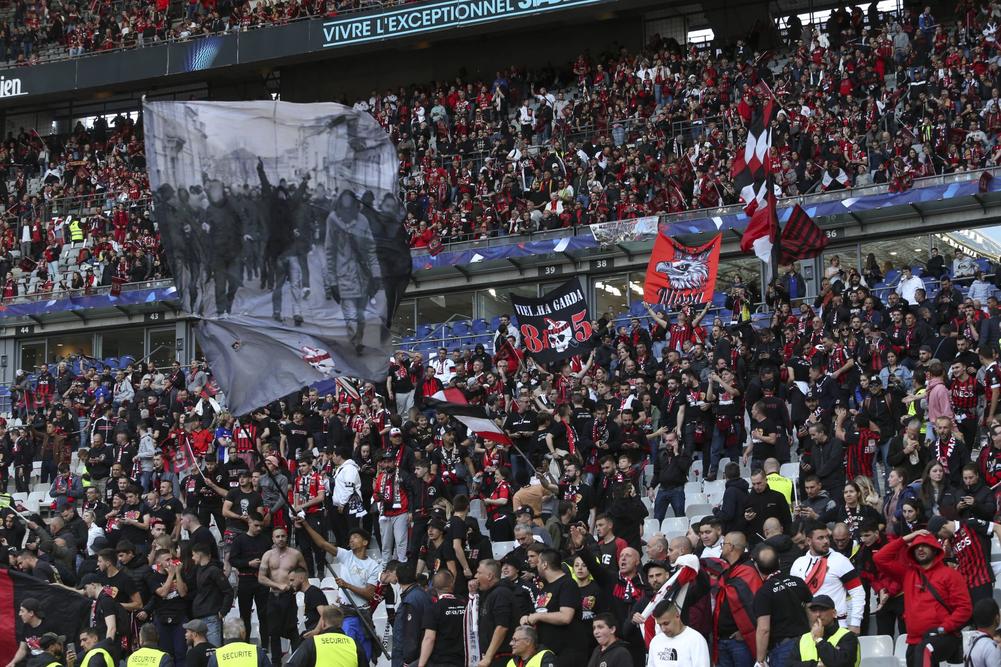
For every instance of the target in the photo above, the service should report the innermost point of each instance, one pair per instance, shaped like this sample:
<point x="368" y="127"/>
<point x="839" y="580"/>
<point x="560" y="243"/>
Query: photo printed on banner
<point x="283" y="227"/>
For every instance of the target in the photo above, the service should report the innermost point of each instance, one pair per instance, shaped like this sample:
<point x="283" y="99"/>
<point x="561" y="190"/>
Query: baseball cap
<point x="525" y="509"/>
<point x="395" y="431"/>
<point x="197" y="626"/>
<point x="32" y="605"/>
<point x="50" y="639"/>
<point x="437" y="524"/>
<point x="875" y="380"/>
<point x="821" y="602"/>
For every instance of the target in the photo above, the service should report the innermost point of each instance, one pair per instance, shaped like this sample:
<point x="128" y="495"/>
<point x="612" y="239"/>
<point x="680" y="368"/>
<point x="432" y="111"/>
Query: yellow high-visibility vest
<point x="97" y="657"/>
<point x="237" y="654"/>
<point x="146" y="657"/>
<point x="534" y="661"/>
<point x="333" y="648"/>
<point x="808" y="647"/>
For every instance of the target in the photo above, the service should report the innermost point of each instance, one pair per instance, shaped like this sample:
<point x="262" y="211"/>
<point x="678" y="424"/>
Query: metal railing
<point x="694" y="214"/>
<point x="93" y="291"/>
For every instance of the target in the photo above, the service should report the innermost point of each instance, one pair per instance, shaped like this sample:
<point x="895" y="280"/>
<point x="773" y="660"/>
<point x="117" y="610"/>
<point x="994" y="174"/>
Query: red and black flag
<point x="453" y="402"/>
<point x="801" y="237"/>
<point x="751" y="167"/>
<point x="62" y="610"/>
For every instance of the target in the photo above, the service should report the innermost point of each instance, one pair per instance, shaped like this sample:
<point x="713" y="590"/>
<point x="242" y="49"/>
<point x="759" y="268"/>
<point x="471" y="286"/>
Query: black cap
<point x="821" y="602"/>
<point x="387" y="455"/>
<point x="50" y="639"/>
<point x="33" y="605"/>
<point x="437" y="524"/>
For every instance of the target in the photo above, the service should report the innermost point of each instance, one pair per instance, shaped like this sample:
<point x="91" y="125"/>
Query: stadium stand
<point x="857" y="430"/>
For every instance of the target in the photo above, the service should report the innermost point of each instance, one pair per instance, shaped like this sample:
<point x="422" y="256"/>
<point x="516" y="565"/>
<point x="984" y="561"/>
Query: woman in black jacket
<point x="854" y="512"/>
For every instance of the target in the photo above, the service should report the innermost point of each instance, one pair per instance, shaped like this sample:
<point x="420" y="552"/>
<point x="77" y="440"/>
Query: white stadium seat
<point x="876" y="647"/>
<point x="673" y="526"/>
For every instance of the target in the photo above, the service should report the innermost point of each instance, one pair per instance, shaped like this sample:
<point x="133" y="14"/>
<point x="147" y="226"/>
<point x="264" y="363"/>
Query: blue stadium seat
<point x="637" y="309"/>
<point x="126" y="360"/>
<point x="461" y="328"/>
<point x="479" y="326"/>
<point x="917" y="270"/>
<point x="891" y="276"/>
<point x="423" y="330"/>
<point x="984" y="264"/>
<point x="111" y="363"/>
<point x="719" y="299"/>
<point x="494" y="322"/>
<point x="440" y="331"/>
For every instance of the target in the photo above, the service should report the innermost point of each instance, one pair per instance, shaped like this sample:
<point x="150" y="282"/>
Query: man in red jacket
<point x="936" y="598"/>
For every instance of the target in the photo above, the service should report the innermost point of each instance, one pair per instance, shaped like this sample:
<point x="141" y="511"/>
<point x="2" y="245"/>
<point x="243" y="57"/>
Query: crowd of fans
<point x="169" y="513"/>
<point x="74" y="211"/>
<point x="865" y="98"/>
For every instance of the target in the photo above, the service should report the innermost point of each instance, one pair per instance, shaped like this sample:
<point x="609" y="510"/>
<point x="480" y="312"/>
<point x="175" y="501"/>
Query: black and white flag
<point x="282" y="225"/>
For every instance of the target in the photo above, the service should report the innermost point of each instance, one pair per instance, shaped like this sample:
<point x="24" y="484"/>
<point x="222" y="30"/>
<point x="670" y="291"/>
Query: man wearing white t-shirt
<point x="442" y="367"/>
<point x="827" y="572"/>
<point x="677" y="645"/>
<point x="359" y="573"/>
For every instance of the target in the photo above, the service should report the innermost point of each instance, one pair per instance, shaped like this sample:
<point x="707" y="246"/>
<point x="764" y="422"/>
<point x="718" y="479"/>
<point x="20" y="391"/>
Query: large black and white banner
<point x="556" y="326"/>
<point x="283" y="228"/>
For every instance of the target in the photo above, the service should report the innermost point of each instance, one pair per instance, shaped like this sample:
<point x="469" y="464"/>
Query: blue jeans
<point x="172" y="639"/>
<point x="718" y="448"/>
<point x="779" y="656"/>
<point x="673" y="497"/>
<point x="214" y="635"/>
<point x="734" y="653"/>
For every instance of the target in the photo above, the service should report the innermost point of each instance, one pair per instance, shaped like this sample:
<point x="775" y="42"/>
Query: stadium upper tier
<point x="872" y="99"/>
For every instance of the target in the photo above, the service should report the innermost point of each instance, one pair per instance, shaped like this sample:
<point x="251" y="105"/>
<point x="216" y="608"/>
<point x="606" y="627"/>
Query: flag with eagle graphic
<point x="678" y="275"/>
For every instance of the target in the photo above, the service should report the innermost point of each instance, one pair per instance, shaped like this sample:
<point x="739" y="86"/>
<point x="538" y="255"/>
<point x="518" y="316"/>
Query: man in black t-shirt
<point x="134" y="520"/>
<point x="557" y="615"/>
<point x="33" y="625"/>
<point x="443" y="626"/>
<point x="205" y="490"/>
<point x="764" y="437"/>
<point x="199" y="533"/>
<point x="437" y="553"/>
<point x="168" y="508"/>
<point x="195" y="632"/>
<point x="295" y="436"/>
<point x="520" y="427"/>
<point x="116" y="582"/>
<point x="105" y="613"/>
<point x="240" y="502"/>
<point x="498" y="614"/>
<point x="778" y="606"/>
<point x="313" y="597"/>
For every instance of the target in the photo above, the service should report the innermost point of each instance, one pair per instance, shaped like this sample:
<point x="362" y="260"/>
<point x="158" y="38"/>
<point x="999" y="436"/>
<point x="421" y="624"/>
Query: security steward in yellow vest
<point x="525" y="646"/>
<point x="235" y="651"/>
<point x="76" y="230"/>
<point x="96" y="651"/>
<point x="327" y="645"/>
<point x="148" y="655"/>
<point x="826" y="643"/>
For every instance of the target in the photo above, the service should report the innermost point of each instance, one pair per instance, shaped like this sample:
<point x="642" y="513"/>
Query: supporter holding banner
<point x="679" y="275"/>
<point x="557" y="325"/>
<point x="282" y="225"/>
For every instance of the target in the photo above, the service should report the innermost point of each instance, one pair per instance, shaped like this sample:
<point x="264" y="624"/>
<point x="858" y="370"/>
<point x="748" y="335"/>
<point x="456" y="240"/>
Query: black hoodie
<point x="731" y="510"/>
<point x="616" y="655"/>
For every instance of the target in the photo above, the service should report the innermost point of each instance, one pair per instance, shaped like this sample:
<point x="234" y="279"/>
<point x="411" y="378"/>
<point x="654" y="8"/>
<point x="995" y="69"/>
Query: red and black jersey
<point x="989" y="464"/>
<point x="245" y="437"/>
<point x="861" y="452"/>
<point x="963" y="394"/>
<point x="990" y="383"/>
<point x="305" y="488"/>
<point x="970" y="546"/>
